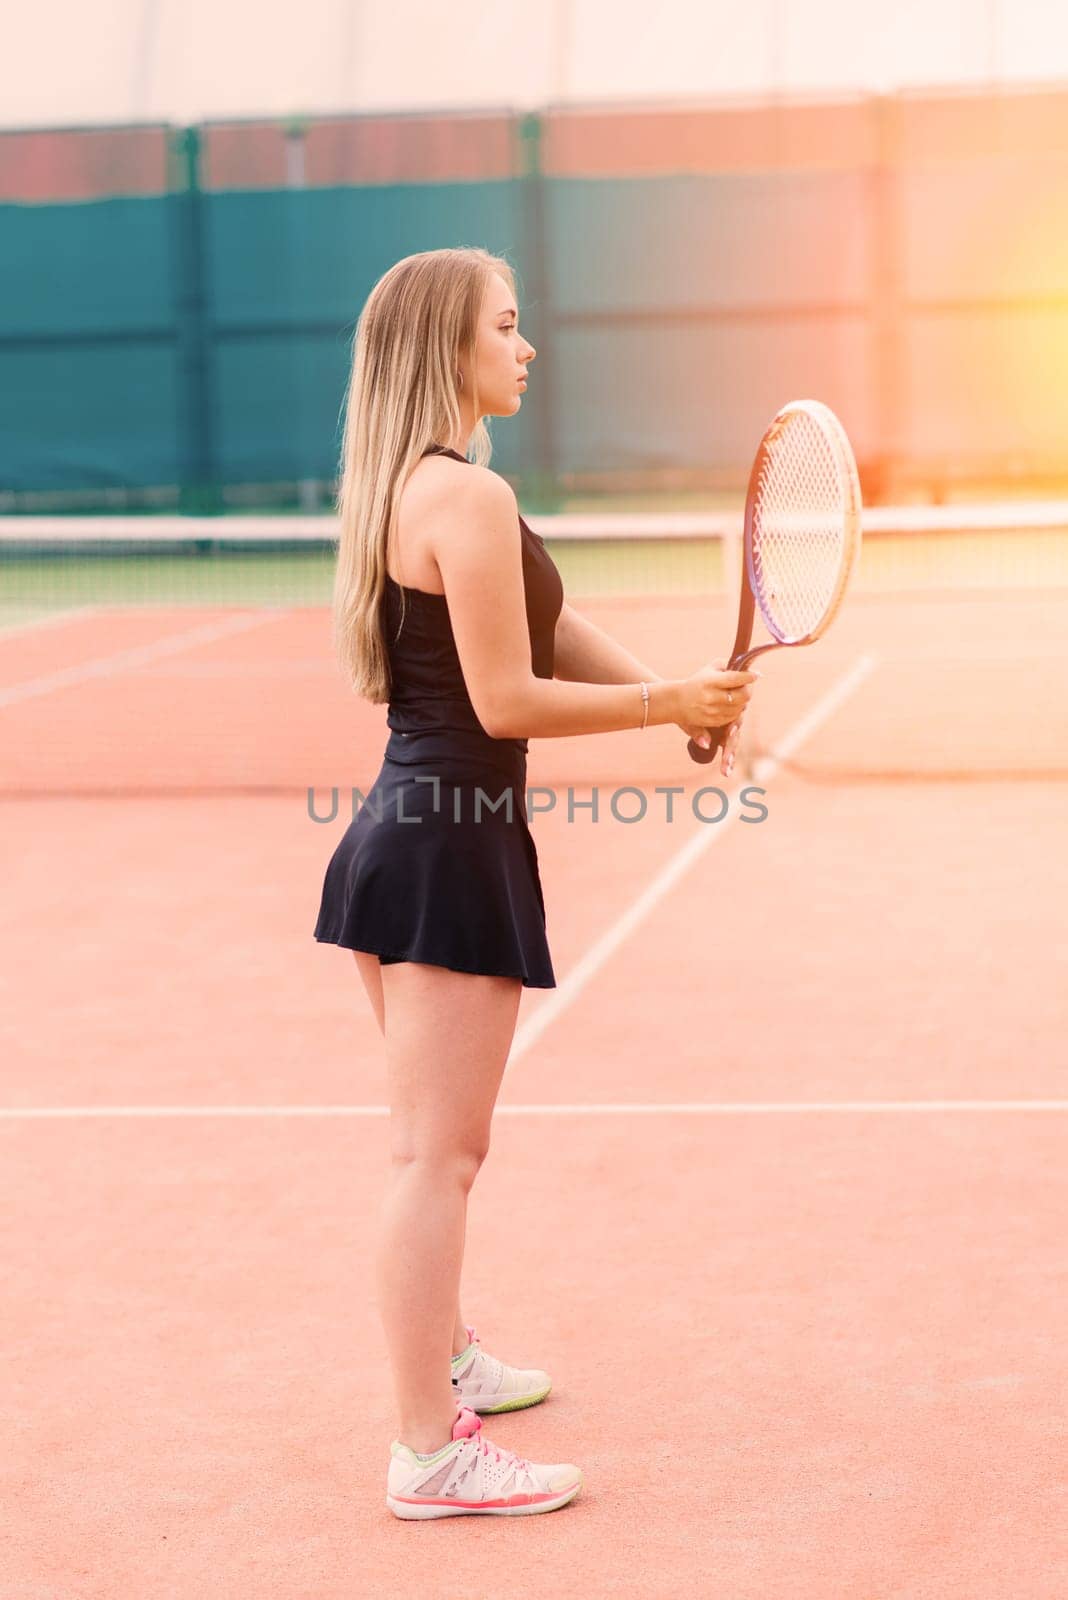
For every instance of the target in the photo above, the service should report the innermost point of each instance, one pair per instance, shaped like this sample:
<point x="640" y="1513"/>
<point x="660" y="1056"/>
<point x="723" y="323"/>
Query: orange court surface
<point x="778" y="1183"/>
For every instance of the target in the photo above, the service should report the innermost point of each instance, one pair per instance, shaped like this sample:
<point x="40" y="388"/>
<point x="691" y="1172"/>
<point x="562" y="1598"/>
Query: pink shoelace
<point x="472" y="1427"/>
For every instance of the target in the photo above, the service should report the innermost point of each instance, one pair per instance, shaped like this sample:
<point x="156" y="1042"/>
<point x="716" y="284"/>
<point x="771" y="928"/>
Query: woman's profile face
<point x="502" y="354"/>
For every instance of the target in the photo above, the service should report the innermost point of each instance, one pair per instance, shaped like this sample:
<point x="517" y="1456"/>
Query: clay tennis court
<point x="777" y="1184"/>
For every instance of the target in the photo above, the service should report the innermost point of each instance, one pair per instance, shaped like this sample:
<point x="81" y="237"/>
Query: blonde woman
<point x="450" y="608"/>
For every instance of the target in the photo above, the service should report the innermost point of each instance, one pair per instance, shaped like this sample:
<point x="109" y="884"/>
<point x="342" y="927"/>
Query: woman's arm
<point x="477" y="547"/>
<point x="584" y="653"/>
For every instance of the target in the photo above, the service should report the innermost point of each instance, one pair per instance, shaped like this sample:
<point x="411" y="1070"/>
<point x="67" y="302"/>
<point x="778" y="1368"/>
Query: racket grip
<point x="705" y="756"/>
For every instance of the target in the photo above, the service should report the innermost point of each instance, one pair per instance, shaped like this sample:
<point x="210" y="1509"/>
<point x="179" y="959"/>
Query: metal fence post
<point x="199" y="491"/>
<point x="887" y="327"/>
<point x="538" y="476"/>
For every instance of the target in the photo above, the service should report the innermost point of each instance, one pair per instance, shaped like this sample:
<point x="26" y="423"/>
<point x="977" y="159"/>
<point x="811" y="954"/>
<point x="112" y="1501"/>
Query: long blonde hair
<point x="420" y="318"/>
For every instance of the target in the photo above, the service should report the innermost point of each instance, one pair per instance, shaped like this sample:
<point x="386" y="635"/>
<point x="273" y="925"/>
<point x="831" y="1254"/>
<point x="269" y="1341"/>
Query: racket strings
<point x="798" y="528"/>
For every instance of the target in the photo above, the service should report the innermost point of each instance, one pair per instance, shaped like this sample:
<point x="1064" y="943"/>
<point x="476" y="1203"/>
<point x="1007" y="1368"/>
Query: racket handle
<point x="705" y="756"/>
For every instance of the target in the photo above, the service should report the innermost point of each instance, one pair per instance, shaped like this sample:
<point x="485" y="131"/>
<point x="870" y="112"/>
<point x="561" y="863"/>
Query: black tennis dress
<point x="428" y="871"/>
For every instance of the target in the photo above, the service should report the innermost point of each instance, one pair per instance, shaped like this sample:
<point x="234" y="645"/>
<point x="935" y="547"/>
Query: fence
<point x="185" y="338"/>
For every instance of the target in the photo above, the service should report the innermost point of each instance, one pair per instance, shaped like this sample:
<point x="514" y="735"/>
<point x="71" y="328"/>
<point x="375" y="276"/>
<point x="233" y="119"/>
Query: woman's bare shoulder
<point x="444" y="500"/>
<point x="447" y="491"/>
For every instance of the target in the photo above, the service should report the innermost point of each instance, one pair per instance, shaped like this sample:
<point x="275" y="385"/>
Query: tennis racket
<point x="802" y="535"/>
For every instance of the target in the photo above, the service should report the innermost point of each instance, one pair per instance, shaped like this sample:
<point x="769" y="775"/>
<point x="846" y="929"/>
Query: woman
<point x="448" y="606"/>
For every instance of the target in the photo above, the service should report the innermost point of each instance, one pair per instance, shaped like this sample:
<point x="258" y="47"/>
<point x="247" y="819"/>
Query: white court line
<point x="110" y="666"/>
<point x="572" y="986"/>
<point x="792" y="741"/>
<point x="688" y="1108"/>
<point x="47" y="619"/>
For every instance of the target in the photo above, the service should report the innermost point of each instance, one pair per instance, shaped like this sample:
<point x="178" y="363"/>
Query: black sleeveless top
<point x="428" y="692"/>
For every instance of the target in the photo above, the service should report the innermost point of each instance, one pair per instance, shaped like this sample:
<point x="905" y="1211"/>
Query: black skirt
<point x="439" y="865"/>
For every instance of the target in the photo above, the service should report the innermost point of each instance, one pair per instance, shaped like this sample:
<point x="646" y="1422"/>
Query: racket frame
<point x="742" y="654"/>
<point x="824" y="418"/>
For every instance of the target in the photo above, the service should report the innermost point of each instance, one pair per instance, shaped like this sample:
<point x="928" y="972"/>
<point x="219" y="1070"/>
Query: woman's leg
<point x="447" y="1040"/>
<point x="370" y="971"/>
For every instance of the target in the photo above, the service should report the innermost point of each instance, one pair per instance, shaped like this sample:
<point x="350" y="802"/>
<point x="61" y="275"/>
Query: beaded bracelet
<point x="645" y="703"/>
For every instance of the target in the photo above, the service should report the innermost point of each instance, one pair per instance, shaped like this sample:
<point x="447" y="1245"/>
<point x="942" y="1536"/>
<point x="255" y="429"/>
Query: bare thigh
<point x="447" y="1040"/>
<point x="370" y="971"/>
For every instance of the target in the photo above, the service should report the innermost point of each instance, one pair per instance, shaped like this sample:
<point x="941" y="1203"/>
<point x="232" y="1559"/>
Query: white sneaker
<point x="488" y="1385"/>
<point x="471" y="1476"/>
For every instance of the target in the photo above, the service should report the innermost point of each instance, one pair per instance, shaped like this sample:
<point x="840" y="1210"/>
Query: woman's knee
<point x="442" y="1164"/>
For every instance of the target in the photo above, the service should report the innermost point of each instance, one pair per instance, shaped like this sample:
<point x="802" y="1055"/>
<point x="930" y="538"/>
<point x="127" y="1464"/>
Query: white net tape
<point x="799" y="528"/>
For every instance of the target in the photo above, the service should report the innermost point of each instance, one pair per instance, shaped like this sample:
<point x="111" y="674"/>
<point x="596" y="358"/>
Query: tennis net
<point x="142" y="655"/>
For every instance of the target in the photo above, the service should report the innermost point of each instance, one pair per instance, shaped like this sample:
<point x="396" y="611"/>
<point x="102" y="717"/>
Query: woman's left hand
<point x="728" y="749"/>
